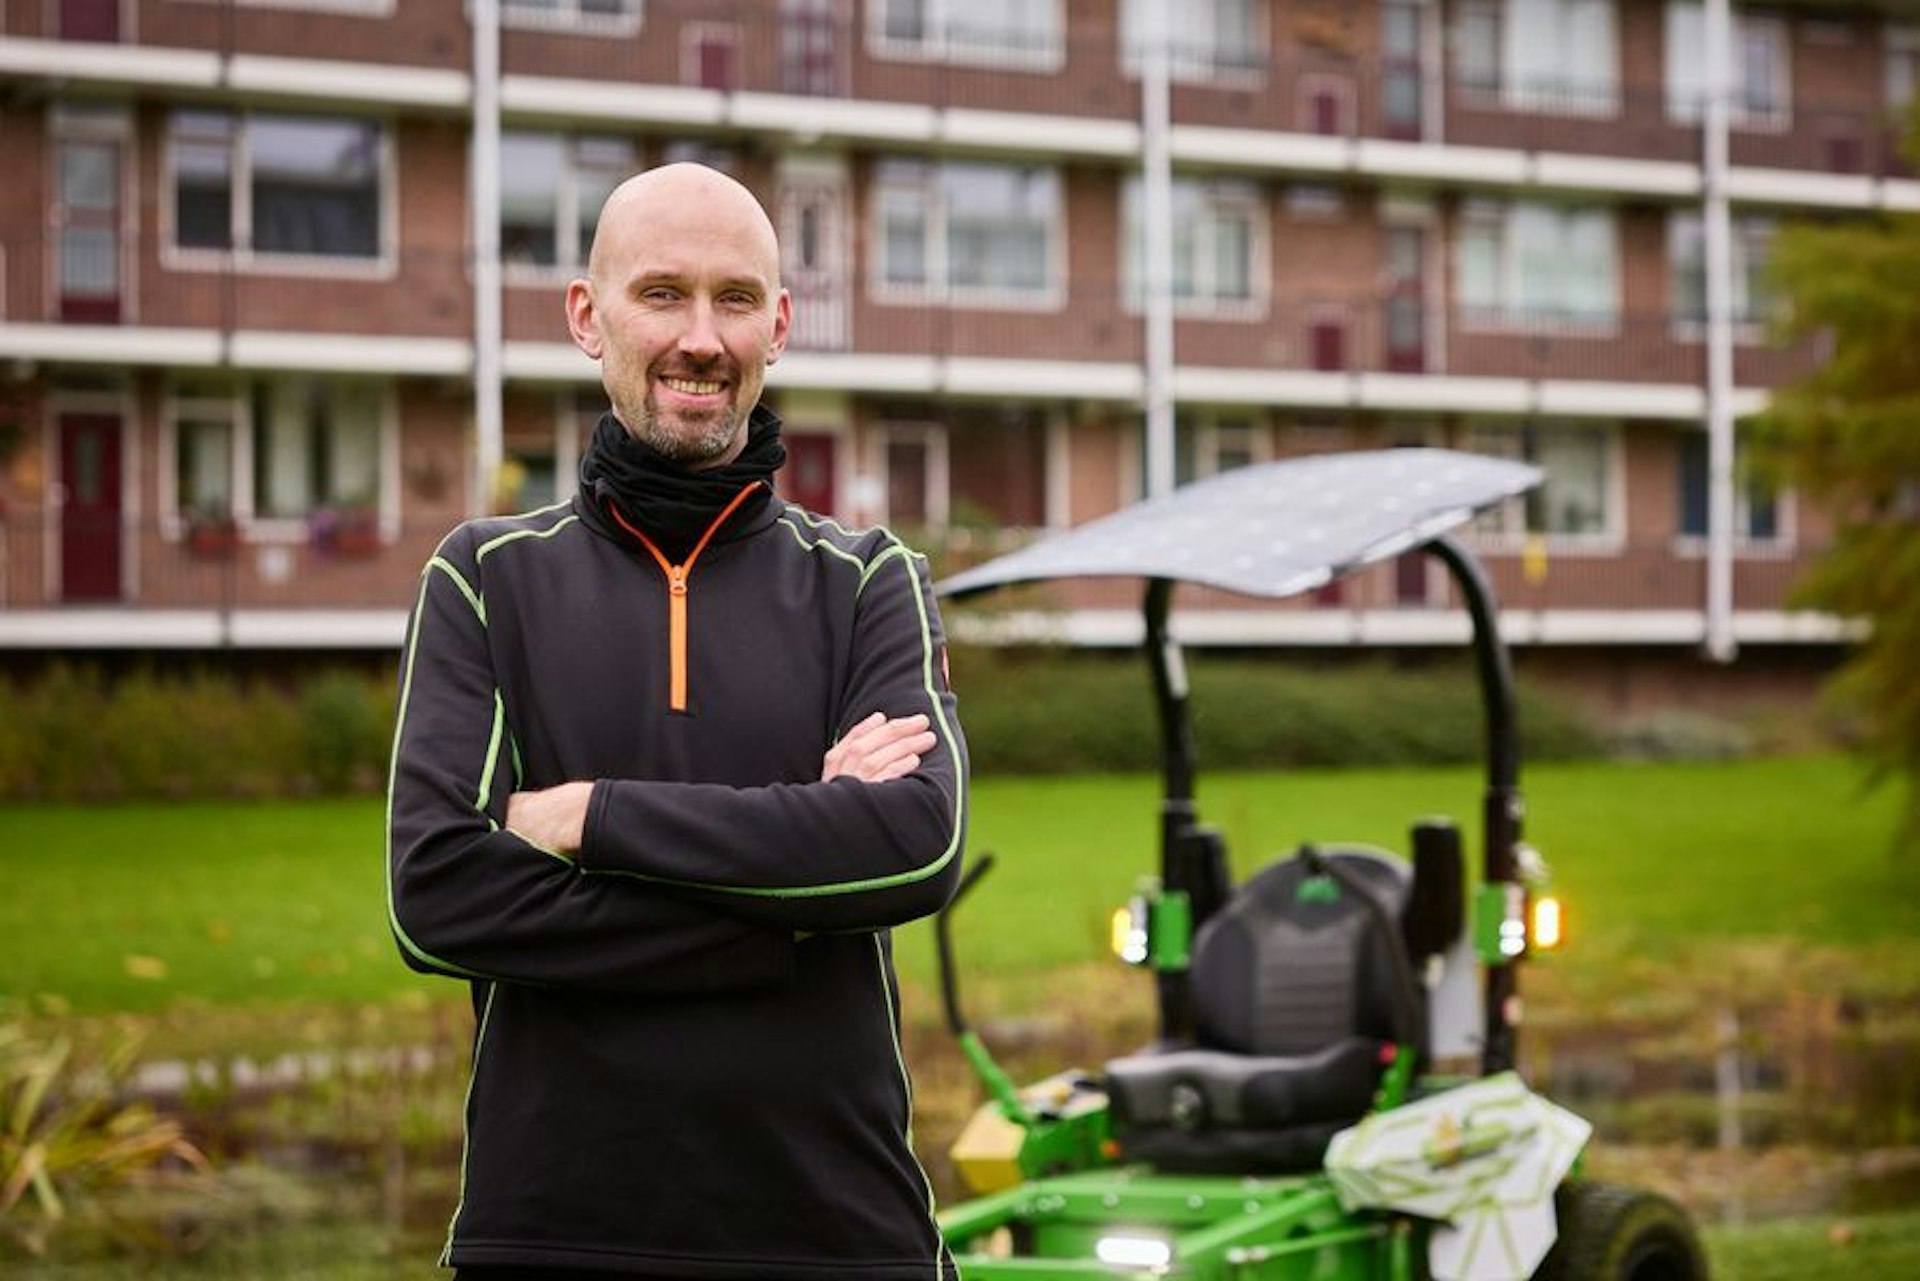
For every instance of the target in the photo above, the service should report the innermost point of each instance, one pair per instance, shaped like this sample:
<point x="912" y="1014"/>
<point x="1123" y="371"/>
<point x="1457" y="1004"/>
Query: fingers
<point x="879" y="749"/>
<point x="552" y="818"/>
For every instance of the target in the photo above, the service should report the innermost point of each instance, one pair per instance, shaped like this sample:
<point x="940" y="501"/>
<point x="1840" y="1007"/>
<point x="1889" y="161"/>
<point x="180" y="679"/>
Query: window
<point x="1025" y="34"/>
<point x="205" y="440"/>
<point x="88" y="147"/>
<point x="540" y="456"/>
<point x="262" y="184"/>
<point x="911" y="457"/>
<point x="1756" y="506"/>
<point x="551" y="190"/>
<point x="1903" y="66"/>
<point x="699" y="151"/>
<point x="1207" y="444"/>
<point x="1524" y="261"/>
<point x="965" y="231"/>
<point x="315" y="445"/>
<point x="1207" y="39"/>
<point x="976" y="469"/>
<point x="1219" y="243"/>
<point x="1540" y="55"/>
<point x="328" y="6"/>
<point x="1575" y="500"/>
<point x="1762" y="89"/>
<point x="623" y="14"/>
<point x="1687" y="268"/>
<point x="283" y="450"/>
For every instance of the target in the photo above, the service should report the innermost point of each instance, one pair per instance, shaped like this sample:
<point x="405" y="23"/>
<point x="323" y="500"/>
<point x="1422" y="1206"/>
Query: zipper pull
<point x="677" y="579"/>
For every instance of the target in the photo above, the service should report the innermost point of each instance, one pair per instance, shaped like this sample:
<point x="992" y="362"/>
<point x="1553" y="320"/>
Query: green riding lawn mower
<point x="1332" y="1091"/>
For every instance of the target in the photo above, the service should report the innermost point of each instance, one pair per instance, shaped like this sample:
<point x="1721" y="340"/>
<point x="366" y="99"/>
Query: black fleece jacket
<point x="687" y="1057"/>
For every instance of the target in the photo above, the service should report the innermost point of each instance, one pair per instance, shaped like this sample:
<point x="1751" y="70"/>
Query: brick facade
<point x="1355" y="328"/>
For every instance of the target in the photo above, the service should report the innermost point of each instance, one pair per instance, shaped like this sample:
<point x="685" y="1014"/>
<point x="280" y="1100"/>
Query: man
<point x="671" y="759"/>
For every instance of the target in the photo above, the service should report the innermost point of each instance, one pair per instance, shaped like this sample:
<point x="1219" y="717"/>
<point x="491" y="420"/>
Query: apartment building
<point x="280" y="281"/>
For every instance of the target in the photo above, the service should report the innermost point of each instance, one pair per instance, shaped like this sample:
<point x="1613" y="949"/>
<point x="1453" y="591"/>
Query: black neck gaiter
<point x="671" y="503"/>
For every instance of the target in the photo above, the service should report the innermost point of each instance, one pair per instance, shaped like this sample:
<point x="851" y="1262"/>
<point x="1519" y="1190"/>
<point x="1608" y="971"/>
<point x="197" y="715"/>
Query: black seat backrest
<point x="1295" y="963"/>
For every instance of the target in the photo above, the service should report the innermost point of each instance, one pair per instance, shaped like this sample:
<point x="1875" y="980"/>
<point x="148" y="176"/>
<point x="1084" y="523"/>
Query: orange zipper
<point x="677" y="594"/>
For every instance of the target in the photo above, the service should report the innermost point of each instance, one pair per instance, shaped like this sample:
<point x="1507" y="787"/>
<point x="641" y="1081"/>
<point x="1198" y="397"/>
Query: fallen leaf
<point x="144" y="967"/>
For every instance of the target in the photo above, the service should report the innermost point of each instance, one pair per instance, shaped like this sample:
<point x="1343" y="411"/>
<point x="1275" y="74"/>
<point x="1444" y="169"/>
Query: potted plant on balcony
<point x="211" y="532"/>
<point x="348" y="529"/>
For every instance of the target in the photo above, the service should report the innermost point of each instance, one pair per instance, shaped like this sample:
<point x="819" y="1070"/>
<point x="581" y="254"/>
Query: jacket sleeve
<point x="470" y="899"/>
<point x="842" y="854"/>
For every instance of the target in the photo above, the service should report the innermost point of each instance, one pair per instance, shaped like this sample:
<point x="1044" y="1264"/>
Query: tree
<point x="1848" y="436"/>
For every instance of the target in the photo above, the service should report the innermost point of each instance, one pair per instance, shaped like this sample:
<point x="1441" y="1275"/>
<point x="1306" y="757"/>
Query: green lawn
<point x="138" y="907"/>
<point x="1874" y="1245"/>
<point x="258" y="913"/>
<point x="1652" y="858"/>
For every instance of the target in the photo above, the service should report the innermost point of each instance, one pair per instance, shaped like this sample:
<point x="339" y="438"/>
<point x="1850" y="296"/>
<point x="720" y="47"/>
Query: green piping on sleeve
<point x="481" y="801"/>
<point x="820" y="544"/>
<point x="466" y="588"/>
<point x="393" y="774"/>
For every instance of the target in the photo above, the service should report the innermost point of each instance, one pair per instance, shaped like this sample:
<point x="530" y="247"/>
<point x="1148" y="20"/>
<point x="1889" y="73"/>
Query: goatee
<point x="694" y="445"/>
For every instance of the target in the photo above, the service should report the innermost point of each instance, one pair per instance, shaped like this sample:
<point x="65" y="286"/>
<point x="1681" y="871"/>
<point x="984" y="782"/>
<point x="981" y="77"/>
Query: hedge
<point x="1027" y="714"/>
<point x="76" y="733"/>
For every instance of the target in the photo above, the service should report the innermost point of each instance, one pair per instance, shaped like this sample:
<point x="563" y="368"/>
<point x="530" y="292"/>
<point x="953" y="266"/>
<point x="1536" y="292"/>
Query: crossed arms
<point x="653" y="885"/>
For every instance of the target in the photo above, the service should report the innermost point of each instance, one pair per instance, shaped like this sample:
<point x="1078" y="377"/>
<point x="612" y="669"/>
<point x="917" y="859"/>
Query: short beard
<point x="703" y="449"/>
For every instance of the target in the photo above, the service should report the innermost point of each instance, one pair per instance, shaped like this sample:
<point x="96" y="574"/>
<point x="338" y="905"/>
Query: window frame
<point x="1689" y="108"/>
<point x="1563" y="99"/>
<point x="201" y="404"/>
<point x="1195" y="68"/>
<point x="936" y="287"/>
<point x="566" y="206"/>
<point x="1902" y="63"/>
<point x="1206" y="430"/>
<point x="931" y="435"/>
<point x="937" y="43"/>
<point x="1510" y="314"/>
<point x="1692" y="546"/>
<point x="570" y="17"/>
<point x="1505" y="528"/>
<point x="234" y="400"/>
<point x="341" y="8"/>
<point x="240" y="256"/>
<point x="89" y="124"/>
<point x="1685" y="225"/>
<point x="1214" y="194"/>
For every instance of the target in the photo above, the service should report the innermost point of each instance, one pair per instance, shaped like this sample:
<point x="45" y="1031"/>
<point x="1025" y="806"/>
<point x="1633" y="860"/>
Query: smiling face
<point x="682" y="307"/>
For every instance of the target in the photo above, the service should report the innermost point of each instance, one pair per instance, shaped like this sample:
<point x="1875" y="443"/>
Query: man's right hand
<point x="878" y="749"/>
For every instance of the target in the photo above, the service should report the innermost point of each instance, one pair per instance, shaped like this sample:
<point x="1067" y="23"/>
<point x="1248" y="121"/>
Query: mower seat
<point x="1298" y="1007"/>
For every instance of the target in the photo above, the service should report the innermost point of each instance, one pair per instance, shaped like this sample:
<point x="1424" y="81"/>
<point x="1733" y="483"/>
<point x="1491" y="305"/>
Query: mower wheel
<point x="1614" y="1233"/>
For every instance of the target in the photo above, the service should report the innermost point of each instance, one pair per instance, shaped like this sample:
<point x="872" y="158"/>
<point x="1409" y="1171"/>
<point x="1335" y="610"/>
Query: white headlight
<point x="1133" y="1252"/>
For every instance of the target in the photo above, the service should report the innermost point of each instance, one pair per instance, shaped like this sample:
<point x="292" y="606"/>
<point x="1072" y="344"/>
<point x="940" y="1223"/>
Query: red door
<point x="1406" y="299"/>
<point x="90" y="20"/>
<point x="1401" y="73"/>
<point x="807" y="479"/>
<point x="811" y="40"/>
<point x="90" y="512"/>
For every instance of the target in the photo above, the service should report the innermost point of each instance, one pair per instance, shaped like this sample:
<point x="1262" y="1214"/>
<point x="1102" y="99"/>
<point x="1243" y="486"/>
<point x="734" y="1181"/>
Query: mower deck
<point x="1133" y="1222"/>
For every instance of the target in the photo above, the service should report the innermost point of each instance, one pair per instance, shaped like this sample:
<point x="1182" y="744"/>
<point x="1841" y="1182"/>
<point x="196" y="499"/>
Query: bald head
<point x="682" y="307"/>
<point x="683" y="192"/>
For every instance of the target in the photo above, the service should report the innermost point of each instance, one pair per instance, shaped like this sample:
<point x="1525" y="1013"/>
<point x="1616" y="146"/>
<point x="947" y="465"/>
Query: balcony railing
<point x="1316" y="83"/>
<point x="55" y="561"/>
<point x="425" y="293"/>
<point x="1652" y="586"/>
